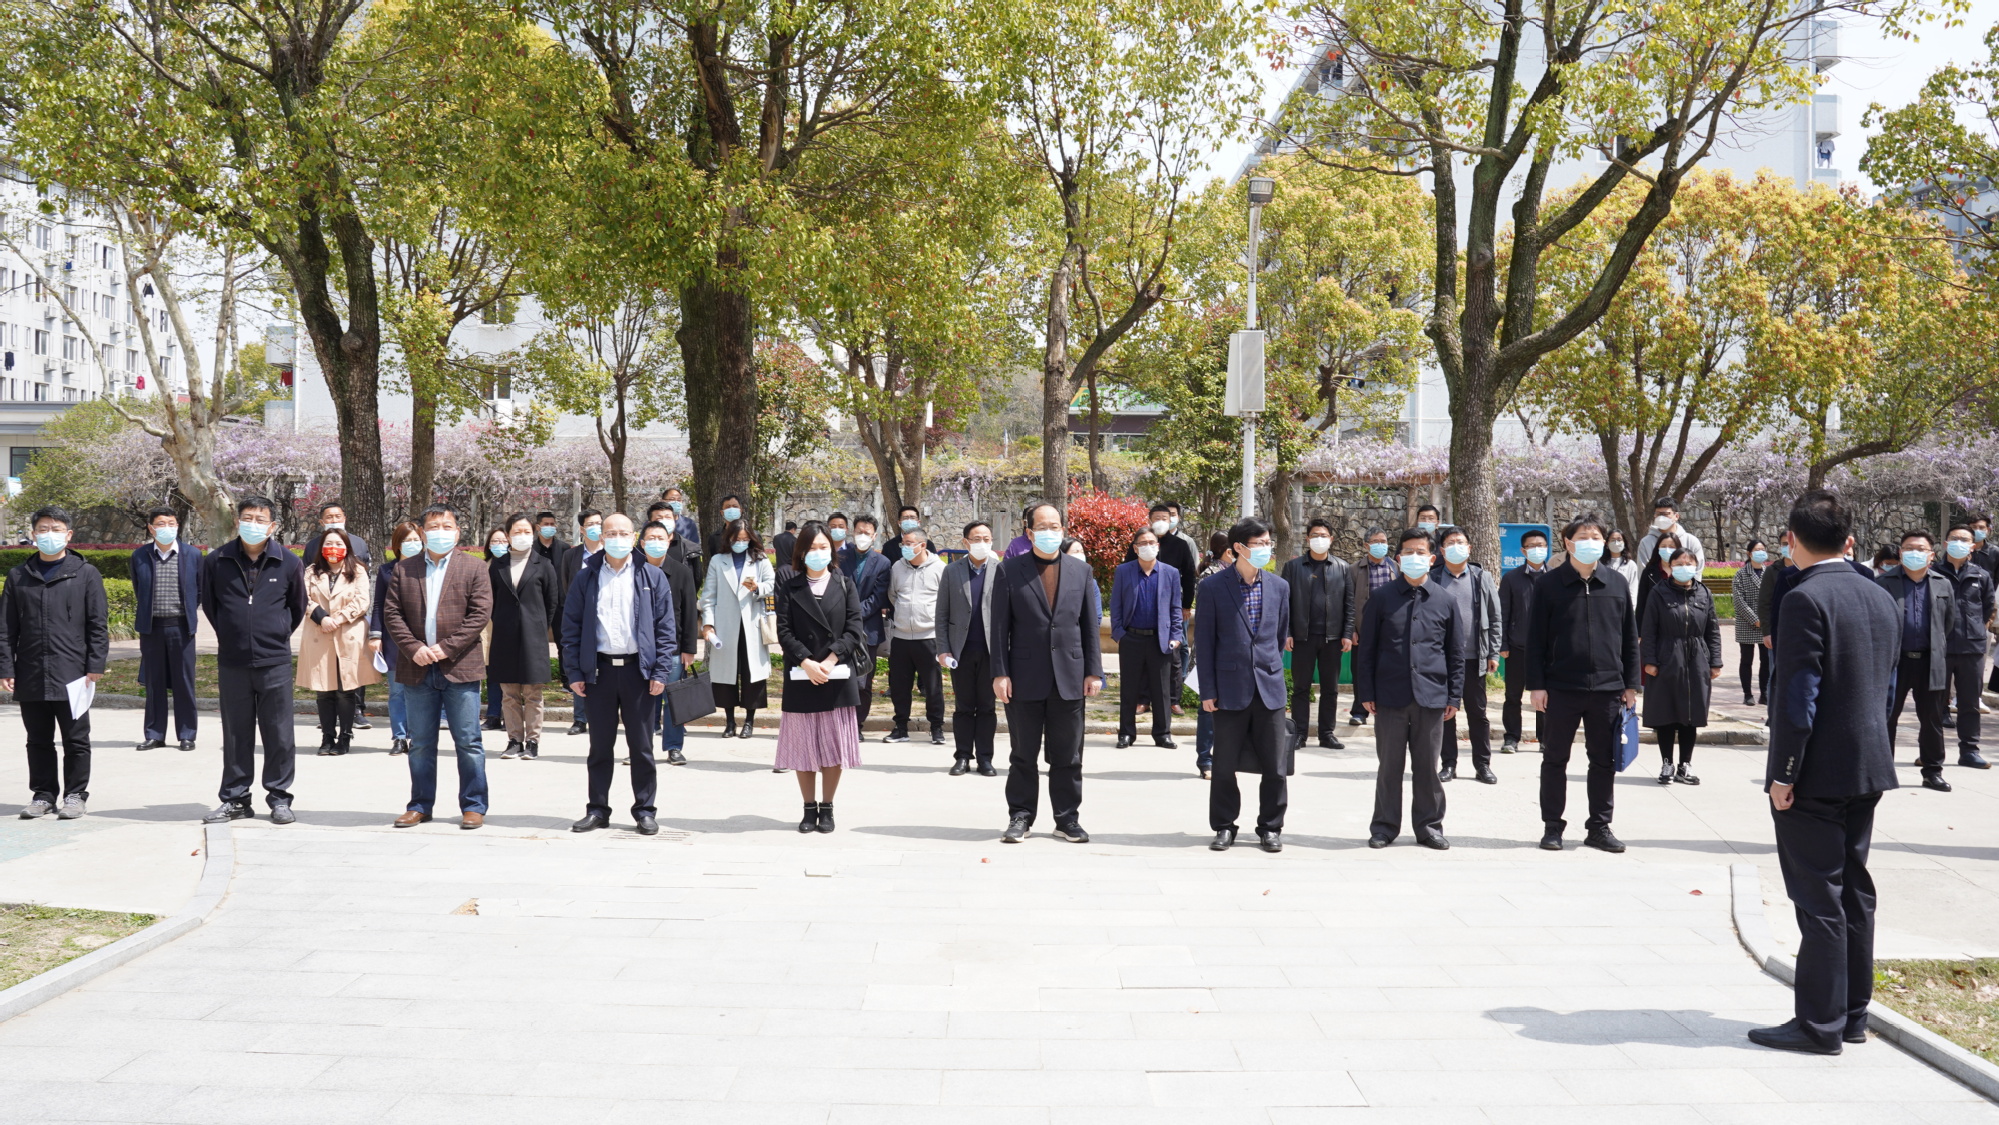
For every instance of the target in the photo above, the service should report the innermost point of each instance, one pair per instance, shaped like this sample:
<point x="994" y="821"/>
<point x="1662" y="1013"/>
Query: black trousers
<point x="911" y="662"/>
<point x="1509" y="712"/>
<point x="1053" y="728"/>
<point x="866" y="687"/>
<point x="621" y="695"/>
<point x="1756" y="658"/>
<point x="1599" y="713"/>
<point x="336" y="715"/>
<point x="1913" y="675"/>
<point x="1249" y="740"/>
<point x="1472" y="707"/>
<point x="1320" y="656"/>
<point x="1966" y="683"/>
<point x="975" y="717"/>
<point x="1822" y="847"/>
<point x="42" y="720"/>
<point x="1410" y="734"/>
<point x="256" y="701"/>
<point x="1681" y="735"/>
<point x="1145" y="675"/>
<point x="166" y="661"/>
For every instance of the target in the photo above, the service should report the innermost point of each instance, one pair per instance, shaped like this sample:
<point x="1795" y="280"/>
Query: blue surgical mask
<point x="1979" y="534"/>
<point x="618" y="546"/>
<point x="1911" y="560"/>
<point x="1427" y="525"/>
<point x="1759" y="556"/>
<point x="1537" y="555"/>
<point x="50" y="542"/>
<point x="732" y="513"/>
<point x="165" y="536"/>
<point x="1666" y="553"/>
<point x="496" y="549"/>
<point x="440" y="541"/>
<point x="1585" y="551"/>
<point x="1048" y="542"/>
<point x="252" y="533"/>
<point x="594" y="532"/>
<point x="1957" y="549"/>
<point x="1414" y="566"/>
<point x="910" y="525"/>
<point x="740" y="545"/>
<point x="1378" y="550"/>
<point x="677" y="506"/>
<point x="908" y="552"/>
<point x="656" y="548"/>
<point x="1785" y="550"/>
<point x="1684" y="573"/>
<point x="818" y="558"/>
<point x="839" y="534"/>
<point x="1259" y="557"/>
<point x="1456" y="553"/>
<point x="547" y="532"/>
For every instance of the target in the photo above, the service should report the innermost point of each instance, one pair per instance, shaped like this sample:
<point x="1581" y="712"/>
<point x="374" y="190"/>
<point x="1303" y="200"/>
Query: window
<point x="163" y="319"/>
<point x="69" y="295"/>
<point x="18" y="458"/>
<point x="501" y="311"/>
<point x="41" y="236"/>
<point x="107" y="257"/>
<point x="499" y="384"/>
<point x="41" y="342"/>
<point x="41" y="392"/>
<point x="131" y="360"/>
<point x="72" y="349"/>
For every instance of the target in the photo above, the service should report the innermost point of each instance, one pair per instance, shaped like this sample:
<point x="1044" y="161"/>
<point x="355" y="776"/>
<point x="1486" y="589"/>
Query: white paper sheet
<point x="1194" y="679"/>
<point x="82" y="691"/>
<point x="381" y="665"/>
<point x="839" y="672"/>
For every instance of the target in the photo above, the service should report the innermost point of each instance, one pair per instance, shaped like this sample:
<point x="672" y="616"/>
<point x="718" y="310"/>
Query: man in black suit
<point x="333" y="517"/>
<point x="1971" y="584"/>
<point x="784" y="541"/>
<point x="1046" y="662"/>
<point x="1240" y="642"/>
<point x="1831" y="757"/>
<point x="166" y="580"/>
<point x="1581" y="667"/>
<point x="1516" y="594"/>
<point x="1322" y="625"/>
<point x="548" y="540"/>
<point x="590" y="543"/>
<point x="1409" y="672"/>
<point x="869" y="568"/>
<point x="718" y="539"/>
<point x="1927" y="602"/>
<point x="964" y="626"/>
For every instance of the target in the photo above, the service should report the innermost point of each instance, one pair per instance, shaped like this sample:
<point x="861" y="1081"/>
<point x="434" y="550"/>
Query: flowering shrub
<point x="1105" y="525"/>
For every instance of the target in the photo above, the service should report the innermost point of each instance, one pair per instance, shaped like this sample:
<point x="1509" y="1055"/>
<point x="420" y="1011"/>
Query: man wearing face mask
<point x="908" y="520"/>
<point x="1428" y="520"/>
<point x="684" y="526"/>
<point x="1516" y="596"/>
<point x="1150" y="631"/>
<point x="732" y="510"/>
<point x="1965" y="647"/>
<point x="1926" y="603"/>
<point x="333" y="517"/>
<point x="1409" y="671"/>
<point x="964" y="632"/>
<point x="166" y="579"/>
<point x="1239" y="646"/>
<point x="1376" y="571"/>
<point x="912" y="649"/>
<point x="1323" y="617"/>
<point x="548" y="543"/>
<point x="1477" y="596"/>
<point x="435" y="614"/>
<point x="1174" y="552"/>
<point x="54" y="631"/>
<point x="869" y="570"/>
<point x="1666" y="521"/>
<point x="253" y="594"/>
<point x="590" y="533"/>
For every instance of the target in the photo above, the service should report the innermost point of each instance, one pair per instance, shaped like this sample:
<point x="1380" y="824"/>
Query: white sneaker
<point x="72" y="807"/>
<point x="37" y="808"/>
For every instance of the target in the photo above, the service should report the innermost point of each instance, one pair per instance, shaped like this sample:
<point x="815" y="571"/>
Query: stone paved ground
<point x="909" y="968"/>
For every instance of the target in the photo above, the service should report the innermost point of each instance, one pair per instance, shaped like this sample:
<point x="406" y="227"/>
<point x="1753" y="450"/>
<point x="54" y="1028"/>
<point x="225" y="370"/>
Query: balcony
<point x="1825" y="44"/>
<point x="1825" y="116"/>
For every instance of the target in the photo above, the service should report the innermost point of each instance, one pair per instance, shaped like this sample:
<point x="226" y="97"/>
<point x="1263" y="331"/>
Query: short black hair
<point x="255" y="501"/>
<point x="728" y="496"/>
<point x="976" y="523"/>
<point x="841" y="516"/>
<point x="1921" y="533"/>
<point x="1175" y="505"/>
<point x="583" y="516"/>
<point x="1535" y="534"/>
<point x="1678" y="551"/>
<point x="439" y="510"/>
<point x="540" y="516"/>
<point x="156" y="513"/>
<point x="1964" y="527"/>
<point x="507" y="525"/>
<point x="909" y="508"/>
<point x="1421" y="508"/>
<point x="1160" y="506"/>
<point x="1316" y="521"/>
<point x="1246" y="530"/>
<point x="791" y="525"/>
<point x="650" y="524"/>
<point x="1412" y="534"/>
<point x="1979" y="518"/>
<point x="1142" y="531"/>
<point x="1448" y="530"/>
<point x="658" y="506"/>
<point x="1665" y="502"/>
<point x="51" y="512"/>
<point x="857" y="521"/>
<point x="331" y="504"/>
<point x="1821" y="522"/>
<point x="1585" y="522"/>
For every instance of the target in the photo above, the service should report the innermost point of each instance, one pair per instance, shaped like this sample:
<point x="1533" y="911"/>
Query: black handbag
<point x="689" y="698"/>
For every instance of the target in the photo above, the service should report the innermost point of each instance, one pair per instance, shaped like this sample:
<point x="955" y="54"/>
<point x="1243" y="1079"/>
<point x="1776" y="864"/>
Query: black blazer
<point x="686" y="599"/>
<point x="1048" y="651"/>
<point x="813" y="627"/>
<point x="1340" y="611"/>
<point x="1832" y="686"/>
<point x="1516" y="598"/>
<point x="524" y="618"/>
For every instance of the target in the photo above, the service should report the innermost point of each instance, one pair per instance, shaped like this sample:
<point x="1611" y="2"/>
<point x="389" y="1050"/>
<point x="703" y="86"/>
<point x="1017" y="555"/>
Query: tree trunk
<point x="1097" y="479"/>
<point x="1281" y="527"/>
<point x="423" y="450"/>
<point x="1055" y="392"/>
<point x="717" y="338"/>
<point x="1474" y="489"/>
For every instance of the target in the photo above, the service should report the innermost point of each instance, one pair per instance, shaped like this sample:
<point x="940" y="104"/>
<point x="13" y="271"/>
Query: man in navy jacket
<point x="1832" y="686"/>
<point x="1409" y="672"/>
<point x="869" y="569"/>
<point x="1239" y="640"/>
<point x="253" y="593"/>
<point x="1145" y="606"/>
<point x="166" y="580"/>
<point x="617" y="640"/>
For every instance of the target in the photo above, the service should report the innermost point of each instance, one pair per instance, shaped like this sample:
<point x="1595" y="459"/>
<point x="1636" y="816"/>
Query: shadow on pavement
<point x="934" y="831"/>
<point x="1599" y="1026"/>
<point x="733" y="824"/>
<point x="151" y="812"/>
<point x="1141" y="775"/>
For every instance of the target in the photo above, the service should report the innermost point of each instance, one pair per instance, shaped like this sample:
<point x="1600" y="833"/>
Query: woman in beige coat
<point x="333" y="657"/>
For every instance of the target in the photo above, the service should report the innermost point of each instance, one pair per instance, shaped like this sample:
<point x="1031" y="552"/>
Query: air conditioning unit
<point x="1825" y="116"/>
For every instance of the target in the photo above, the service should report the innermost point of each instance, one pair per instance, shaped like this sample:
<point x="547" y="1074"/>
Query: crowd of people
<point x="1581" y="629"/>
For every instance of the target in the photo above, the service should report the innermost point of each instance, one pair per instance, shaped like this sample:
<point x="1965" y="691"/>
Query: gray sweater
<point x="912" y="592"/>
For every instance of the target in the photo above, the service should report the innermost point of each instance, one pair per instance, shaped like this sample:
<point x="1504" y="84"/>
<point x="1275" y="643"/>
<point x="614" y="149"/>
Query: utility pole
<point x="1245" y="385"/>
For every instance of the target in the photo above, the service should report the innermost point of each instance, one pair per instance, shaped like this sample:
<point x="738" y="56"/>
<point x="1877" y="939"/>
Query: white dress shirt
<point x="614" y="609"/>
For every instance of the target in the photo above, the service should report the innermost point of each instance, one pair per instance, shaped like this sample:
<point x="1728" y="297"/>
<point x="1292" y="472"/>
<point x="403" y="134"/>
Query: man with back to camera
<point x="1928" y="604"/>
<point x="166" y="581"/>
<point x="1516" y="596"/>
<point x="1323" y="619"/>
<point x="1239" y="637"/>
<point x="964" y="635"/>
<point x="1046" y="662"/>
<point x="1831" y="757"/>
<point x="1581" y="666"/>
<point x="1408" y="671"/>
<point x="253" y="594"/>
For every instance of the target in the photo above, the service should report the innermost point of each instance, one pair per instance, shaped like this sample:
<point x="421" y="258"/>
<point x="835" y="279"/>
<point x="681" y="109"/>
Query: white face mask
<point x="1319" y="544"/>
<point x="1663" y="523"/>
<point x="1148" y="551"/>
<point x="1161" y="527"/>
<point x="863" y="541"/>
<point x="980" y="550"/>
<point x="521" y="541"/>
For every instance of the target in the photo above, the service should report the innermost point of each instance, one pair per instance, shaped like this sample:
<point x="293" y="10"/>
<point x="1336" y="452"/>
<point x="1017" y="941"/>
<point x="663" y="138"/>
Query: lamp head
<point x="1262" y="189"/>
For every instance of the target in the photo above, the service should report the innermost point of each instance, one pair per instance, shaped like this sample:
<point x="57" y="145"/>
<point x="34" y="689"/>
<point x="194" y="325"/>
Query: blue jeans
<point x="399" y="726"/>
<point x="671" y="737"/>
<point x="1204" y="738"/>
<point x="459" y="706"/>
<point x="492" y="699"/>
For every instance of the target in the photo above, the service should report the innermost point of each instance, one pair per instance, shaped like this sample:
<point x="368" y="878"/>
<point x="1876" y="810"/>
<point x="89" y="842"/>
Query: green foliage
<point x="64" y="474"/>
<point x="122" y="605"/>
<point x="793" y="401"/>
<point x="1941" y="152"/>
<point x="113" y="564"/>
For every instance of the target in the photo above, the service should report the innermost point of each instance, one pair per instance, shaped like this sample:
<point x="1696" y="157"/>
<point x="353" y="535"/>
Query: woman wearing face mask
<point x="496" y="548"/>
<point x="333" y="656"/>
<point x="819" y="626"/>
<point x="405" y="542"/>
<point x="1658" y="572"/>
<point x="1679" y="642"/>
<point x="527" y="608"/>
<point x="733" y="606"/>
<point x="1075" y="547"/>
<point x="1615" y="560"/>
<point x="1748" y="590"/>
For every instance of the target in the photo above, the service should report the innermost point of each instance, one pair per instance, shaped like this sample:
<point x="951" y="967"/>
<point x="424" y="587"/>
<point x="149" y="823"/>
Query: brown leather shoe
<point x="472" y="820"/>
<point x="411" y="819"/>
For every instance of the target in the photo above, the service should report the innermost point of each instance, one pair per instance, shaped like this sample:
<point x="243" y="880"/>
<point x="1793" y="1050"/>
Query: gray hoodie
<point x="912" y="591"/>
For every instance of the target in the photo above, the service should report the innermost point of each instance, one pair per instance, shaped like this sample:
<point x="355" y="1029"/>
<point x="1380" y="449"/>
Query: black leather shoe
<point x="1016" y="831"/>
<point x="281" y="812"/>
<point x="1854" y="1036"/>
<point x="959" y="767"/>
<point x="229" y="810"/>
<point x="398" y="747"/>
<point x="1434" y="843"/>
<point x="675" y="758"/>
<point x="186" y="744"/>
<point x="152" y="744"/>
<point x="1124" y="740"/>
<point x="579" y="727"/>
<point x="1274" y="842"/>
<point x="1448" y="773"/>
<point x="1486" y="776"/>
<point x="1950" y="722"/>
<point x="1166" y="743"/>
<point x="810" y="821"/>
<point x="1551" y="841"/>
<point x="590" y="823"/>
<point x="1331" y="742"/>
<point x="1378" y="841"/>
<point x="1604" y="841"/>
<point x="1971" y="760"/>
<point x="1072" y="832"/>
<point x="825" y="816"/>
<point x="488" y="723"/>
<point x="986" y="770"/>
<point x="1788" y="1036"/>
<point x="648" y="825"/>
<point x="1297" y="742"/>
<point x="1223" y="841"/>
<point x="1935" y="781"/>
<point x="896" y="736"/>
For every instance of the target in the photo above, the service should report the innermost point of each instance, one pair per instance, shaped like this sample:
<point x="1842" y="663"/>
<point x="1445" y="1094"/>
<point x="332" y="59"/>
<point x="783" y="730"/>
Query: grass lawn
<point x="121" y="677"/>
<point x="35" y="939"/>
<point x="1958" y="1000"/>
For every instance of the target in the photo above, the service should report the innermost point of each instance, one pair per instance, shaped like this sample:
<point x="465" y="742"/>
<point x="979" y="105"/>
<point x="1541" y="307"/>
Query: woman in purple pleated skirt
<point x="819" y="628"/>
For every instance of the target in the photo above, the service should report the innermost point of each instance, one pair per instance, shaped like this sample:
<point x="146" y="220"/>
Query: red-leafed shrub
<point x="1105" y="524"/>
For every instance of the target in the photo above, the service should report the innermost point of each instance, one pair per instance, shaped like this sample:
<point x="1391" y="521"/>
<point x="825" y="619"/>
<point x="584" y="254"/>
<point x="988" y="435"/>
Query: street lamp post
<point x="1262" y="189"/>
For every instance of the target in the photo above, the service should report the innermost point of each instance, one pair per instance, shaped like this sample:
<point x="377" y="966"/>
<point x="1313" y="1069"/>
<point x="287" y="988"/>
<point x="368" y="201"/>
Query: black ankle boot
<point x="729" y="727"/>
<point x="749" y="725"/>
<point x="811" y="821"/>
<point x="825" y="816"/>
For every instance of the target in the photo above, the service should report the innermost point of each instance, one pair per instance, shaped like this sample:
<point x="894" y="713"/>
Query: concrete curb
<point x="217" y="867"/>
<point x="1746" y="891"/>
